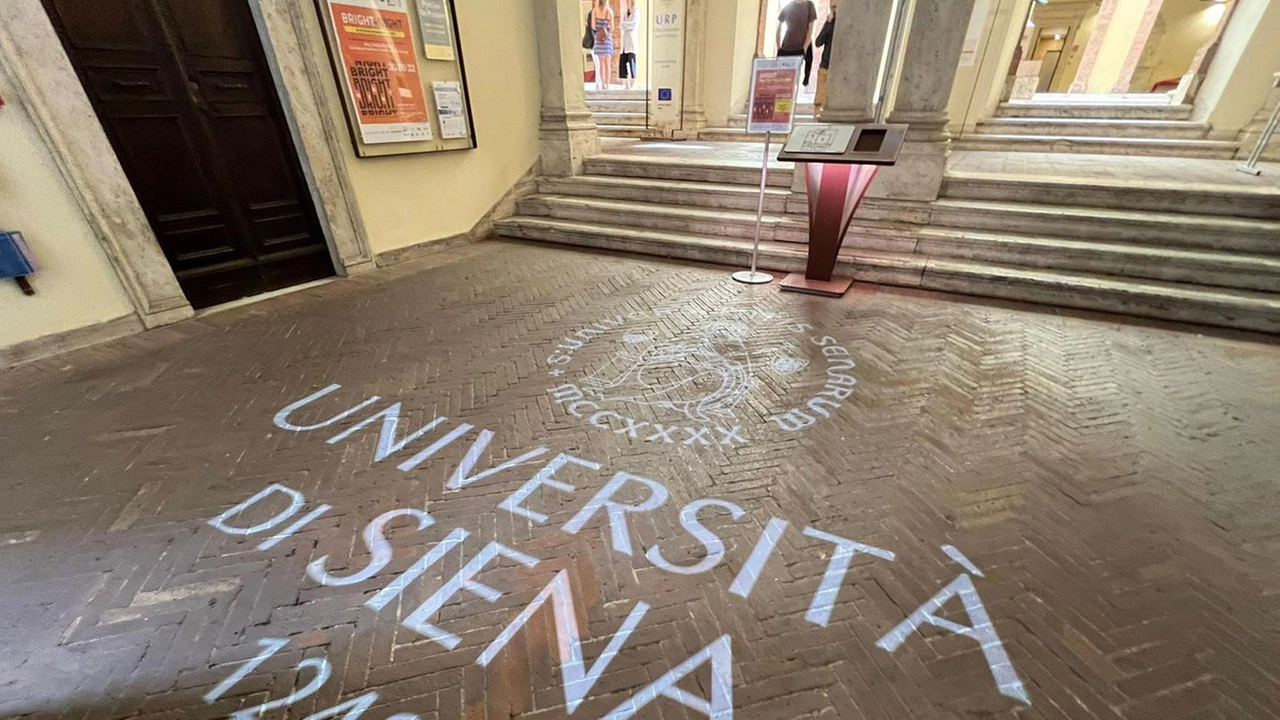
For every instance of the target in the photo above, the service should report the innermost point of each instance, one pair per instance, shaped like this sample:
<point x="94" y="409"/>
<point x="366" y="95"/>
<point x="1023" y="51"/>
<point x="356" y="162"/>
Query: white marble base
<point x="917" y="176"/>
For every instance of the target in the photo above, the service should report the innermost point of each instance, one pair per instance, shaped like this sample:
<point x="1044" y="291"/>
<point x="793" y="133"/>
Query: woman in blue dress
<point x="602" y="23"/>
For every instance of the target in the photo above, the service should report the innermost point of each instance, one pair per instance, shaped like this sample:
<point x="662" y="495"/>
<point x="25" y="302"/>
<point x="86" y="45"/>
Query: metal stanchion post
<point x="1251" y="165"/>
<point x="752" y="277"/>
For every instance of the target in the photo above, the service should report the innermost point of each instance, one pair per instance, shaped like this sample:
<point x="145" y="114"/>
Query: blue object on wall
<point x="15" y="256"/>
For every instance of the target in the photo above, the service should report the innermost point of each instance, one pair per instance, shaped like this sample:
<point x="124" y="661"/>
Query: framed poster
<point x="401" y="92"/>
<point x="437" y="31"/>
<point x="774" y="86"/>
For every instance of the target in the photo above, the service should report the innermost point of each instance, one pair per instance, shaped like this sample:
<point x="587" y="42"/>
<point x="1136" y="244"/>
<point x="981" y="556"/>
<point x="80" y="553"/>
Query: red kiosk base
<point x="834" y="191"/>
<point x="839" y="163"/>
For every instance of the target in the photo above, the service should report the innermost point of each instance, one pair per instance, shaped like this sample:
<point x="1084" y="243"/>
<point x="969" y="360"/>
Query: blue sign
<point x="15" y="257"/>
<point x="664" y="94"/>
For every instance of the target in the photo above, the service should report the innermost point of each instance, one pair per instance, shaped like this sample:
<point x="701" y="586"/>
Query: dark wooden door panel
<point x="187" y="99"/>
<point x="224" y="283"/>
<point x="109" y="25"/>
<point x="246" y="126"/>
<point x="178" y="196"/>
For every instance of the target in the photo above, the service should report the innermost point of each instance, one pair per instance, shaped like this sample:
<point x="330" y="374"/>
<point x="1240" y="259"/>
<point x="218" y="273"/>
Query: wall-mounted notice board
<point x="398" y="64"/>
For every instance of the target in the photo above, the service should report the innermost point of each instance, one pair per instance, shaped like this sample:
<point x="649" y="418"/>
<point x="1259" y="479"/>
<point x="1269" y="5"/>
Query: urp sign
<point x="278" y="512"/>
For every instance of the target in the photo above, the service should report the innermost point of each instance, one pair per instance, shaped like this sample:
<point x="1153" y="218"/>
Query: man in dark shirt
<point x="795" y="31"/>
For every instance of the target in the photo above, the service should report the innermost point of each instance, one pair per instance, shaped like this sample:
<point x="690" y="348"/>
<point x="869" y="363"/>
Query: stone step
<point x="1240" y="309"/>
<point x="1233" y="201"/>
<point x="626" y="119"/>
<point x="774" y="226"/>
<point x="666" y="192"/>
<point x="677" y="218"/>
<point x="738" y="134"/>
<point x="685" y="169"/>
<point x="618" y="94"/>
<point x="1094" y="111"/>
<point x="1226" y="269"/>
<point x="1151" y="229"/>
<point x="865" y="265"/>
<point x="1203" y="149"/>
<point x="1085" y="127"/>
<point x="804" y="114"/>
<point x="628" y="131"/>
<point x="617" y="106"/>
<point x="1222" y="269"/>
<point x="1168" y="301"/>
<point x="872" y="213"/>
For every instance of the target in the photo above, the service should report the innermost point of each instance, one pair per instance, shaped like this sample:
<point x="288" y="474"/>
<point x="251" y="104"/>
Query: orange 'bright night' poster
<point x="379" y="60"/>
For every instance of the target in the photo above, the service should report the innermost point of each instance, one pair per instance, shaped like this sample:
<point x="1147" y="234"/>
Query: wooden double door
<point x="187" y="99"/>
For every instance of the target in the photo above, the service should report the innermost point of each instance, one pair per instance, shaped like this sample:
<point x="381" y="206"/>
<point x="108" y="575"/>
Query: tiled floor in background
<point x="1105" y="493"/>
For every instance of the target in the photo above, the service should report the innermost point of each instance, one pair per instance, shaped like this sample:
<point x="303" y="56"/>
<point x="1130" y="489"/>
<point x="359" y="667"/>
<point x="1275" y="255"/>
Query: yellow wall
<point x="1116" y="44"/>
<point x="744" y="52"/>
<point x="76" y="285"/>
<point x="730" y="47"/>
<point x="408" y="199"/>
<point x="1239" y="79"/>
<point x="1183" y="27"/>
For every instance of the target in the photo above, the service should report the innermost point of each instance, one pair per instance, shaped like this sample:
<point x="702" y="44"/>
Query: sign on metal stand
<point x="774" y="86"/>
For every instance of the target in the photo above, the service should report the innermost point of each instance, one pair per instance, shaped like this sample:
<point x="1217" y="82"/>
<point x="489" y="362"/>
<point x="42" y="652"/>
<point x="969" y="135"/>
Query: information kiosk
<point x="839" y="162"/>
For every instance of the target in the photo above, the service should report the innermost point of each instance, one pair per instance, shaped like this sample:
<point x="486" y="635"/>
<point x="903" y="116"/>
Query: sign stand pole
<point x="751" y="277"/>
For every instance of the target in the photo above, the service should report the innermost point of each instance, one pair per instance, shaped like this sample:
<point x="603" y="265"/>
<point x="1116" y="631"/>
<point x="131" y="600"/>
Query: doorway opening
<point x="767" y="42"/>
<point x="621" y="107"/>
<point x="1123" y="52"/>
<point x="186" y="98"/>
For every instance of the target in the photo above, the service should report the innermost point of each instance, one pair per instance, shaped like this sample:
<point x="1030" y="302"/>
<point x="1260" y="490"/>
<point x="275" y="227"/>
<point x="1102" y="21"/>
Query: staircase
<point x="620" y="113"/>
<point x="1190" y="254"/>
<point x="1109" y="129"/>
<point x="1176" y="254"/>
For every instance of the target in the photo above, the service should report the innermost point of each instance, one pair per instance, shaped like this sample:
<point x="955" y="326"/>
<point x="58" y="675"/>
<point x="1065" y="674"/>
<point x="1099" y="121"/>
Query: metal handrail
<point x="1251" y="165"/>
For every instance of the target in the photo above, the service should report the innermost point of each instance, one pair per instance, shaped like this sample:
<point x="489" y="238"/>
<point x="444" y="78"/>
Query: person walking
<point x="795" y="32"/>
<point x="602" y="53"/>
<point x="826" y="37"/>
<point x="630" y="41"/>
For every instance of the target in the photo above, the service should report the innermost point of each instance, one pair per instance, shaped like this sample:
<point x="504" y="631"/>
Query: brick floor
<point x="1106" y="493"/>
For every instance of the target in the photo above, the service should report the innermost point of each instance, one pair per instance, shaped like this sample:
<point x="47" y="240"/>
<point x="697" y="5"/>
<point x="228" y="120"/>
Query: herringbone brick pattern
<point x="1115" y="485"/>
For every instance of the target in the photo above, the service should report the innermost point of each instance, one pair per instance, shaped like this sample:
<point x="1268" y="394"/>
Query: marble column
<point x="1091" y="50"/>
<point x="862" y="29"/>
<point x="693" y="112"/>
<point x="567" y="131"/>
<point x="1139" y="46"/>
<point x="929" y="64"/>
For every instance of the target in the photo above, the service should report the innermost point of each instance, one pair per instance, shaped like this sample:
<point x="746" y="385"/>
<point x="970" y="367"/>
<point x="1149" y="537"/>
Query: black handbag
<point x="588" y="38"/>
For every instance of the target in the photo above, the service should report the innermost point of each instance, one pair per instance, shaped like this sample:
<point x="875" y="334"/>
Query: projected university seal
<point x="657" y="376"/>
